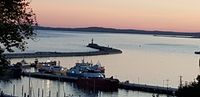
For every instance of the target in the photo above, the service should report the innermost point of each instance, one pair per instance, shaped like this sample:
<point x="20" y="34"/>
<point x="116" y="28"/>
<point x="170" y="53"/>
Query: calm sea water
<point x="146" y="59"/>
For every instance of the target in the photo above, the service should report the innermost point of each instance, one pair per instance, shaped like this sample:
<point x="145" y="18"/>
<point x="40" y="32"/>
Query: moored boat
<point x="92" y="76"/>
<point x="49" y="67"/>
<point x="86" y="70"/>
<point x="197" y="52"/>
<point x="104" y="84"/>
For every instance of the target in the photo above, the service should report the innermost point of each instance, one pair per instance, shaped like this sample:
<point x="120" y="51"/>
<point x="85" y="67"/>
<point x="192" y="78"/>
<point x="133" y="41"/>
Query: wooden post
<point x="58" y="86"/>
<point x="64" y="94"/>
<point x="57" y="94"/>
<point x="49" y="93"/>
<point x="38" y="92"/>
<point x="13" y="90"/>
<point x="22" y="91"/>
<point x="0" y="92"/>
<point x="30" y="92"/>
<point x="42" y="93"/>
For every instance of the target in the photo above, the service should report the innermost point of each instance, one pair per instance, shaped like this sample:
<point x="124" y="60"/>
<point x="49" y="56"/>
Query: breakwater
<point x="102" y="50"/>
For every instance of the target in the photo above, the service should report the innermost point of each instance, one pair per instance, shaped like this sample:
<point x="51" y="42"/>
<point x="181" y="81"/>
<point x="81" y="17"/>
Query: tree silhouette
<point x="190" y="90"/>
<point x="17" y="21"/>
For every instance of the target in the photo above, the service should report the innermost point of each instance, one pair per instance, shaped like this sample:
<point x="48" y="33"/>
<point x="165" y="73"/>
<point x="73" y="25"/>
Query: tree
<point x="17" y="22"/>
<point x="190" y="90"/>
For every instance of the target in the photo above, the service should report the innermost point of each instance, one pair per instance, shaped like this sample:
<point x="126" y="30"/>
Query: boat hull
<point x="104" y="84"/>
<point x="197" y="52"/>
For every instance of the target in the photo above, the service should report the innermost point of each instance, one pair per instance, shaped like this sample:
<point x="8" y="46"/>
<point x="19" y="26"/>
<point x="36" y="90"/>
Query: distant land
<point x="126" y="31"/>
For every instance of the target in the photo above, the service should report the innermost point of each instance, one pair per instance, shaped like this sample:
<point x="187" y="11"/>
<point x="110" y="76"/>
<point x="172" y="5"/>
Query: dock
<point x="122" y="85"/>
<point x="49" y="76"/>
<point x="148" y="88"/>
<point x="102" y="50"/>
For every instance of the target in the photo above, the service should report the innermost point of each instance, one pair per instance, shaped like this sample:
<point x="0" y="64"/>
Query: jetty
<point x="102" y="50"/>
<point x="148" y="88"/>
<point x="122" y="85"/>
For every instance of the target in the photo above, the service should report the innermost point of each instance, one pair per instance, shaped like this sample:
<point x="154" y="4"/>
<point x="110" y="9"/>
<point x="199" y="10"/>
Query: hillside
<point x="125" y="31"/>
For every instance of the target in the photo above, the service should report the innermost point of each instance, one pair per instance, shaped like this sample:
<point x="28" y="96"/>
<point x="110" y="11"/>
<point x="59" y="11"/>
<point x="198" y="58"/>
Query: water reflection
<point x="65" y="88"/>
<point x="152" y="59"/>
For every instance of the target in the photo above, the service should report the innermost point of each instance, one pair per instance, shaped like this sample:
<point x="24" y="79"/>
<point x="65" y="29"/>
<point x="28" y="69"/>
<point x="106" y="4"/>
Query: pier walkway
<point x="148" y="88"/>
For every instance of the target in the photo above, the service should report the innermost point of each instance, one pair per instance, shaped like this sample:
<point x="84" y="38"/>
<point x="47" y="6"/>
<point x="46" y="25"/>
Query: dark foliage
<point x="16" y="25"/>
<point x="191" y="90"/>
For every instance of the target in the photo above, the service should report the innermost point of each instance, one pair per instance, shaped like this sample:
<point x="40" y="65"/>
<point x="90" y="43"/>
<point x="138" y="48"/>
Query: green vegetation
<point x="190" y="90"/>
<point x="16" y="26"/>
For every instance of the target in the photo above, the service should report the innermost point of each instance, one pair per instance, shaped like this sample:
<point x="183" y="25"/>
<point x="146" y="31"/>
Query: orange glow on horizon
<point x="176" y="15"/>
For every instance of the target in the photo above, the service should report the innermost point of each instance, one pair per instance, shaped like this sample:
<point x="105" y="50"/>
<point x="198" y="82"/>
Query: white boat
<point x="86" y="70"/>
<point x="50" y="67"/>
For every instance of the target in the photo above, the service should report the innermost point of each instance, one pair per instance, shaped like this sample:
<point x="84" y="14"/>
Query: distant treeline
<point x="126" y="31"/>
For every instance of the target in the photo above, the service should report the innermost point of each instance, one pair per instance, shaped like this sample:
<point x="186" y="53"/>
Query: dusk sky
<point x="170" y="15"/>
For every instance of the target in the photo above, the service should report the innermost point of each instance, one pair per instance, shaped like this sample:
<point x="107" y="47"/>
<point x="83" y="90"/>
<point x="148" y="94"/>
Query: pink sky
<point x="171" y="15"/>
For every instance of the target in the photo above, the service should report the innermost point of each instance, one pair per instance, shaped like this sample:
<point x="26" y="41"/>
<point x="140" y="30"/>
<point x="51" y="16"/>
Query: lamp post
<point x="167" y="83"/>
<point x="163" y="83"/>
<point x="181" y="81"/>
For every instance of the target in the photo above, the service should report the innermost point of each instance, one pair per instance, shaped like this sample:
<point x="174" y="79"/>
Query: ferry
<point x="91" y="76"/>
<point x="86" y="70"/>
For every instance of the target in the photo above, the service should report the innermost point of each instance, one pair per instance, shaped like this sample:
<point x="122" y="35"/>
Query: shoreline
<point x="126" y="31"/>
<point x="177" y="36"/>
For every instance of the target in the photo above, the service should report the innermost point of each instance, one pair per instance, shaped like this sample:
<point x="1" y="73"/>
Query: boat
<point x="14" y="70"/>
<point x="24" y="63"/>
<point x="91" y="76"/>
<point x="197" y="52"/>
<point x="49" y="67"/>
<point x="86" y="70"/>
<point x="103" y="84"/>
